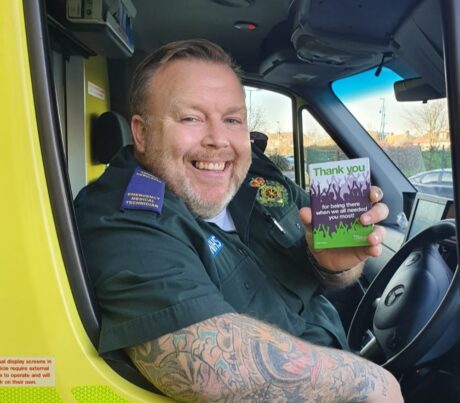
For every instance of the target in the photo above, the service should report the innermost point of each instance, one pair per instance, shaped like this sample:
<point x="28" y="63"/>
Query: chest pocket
<point x="283" y="253"/>
<point x="292" y="233"/>
<point x="241" y="286"/>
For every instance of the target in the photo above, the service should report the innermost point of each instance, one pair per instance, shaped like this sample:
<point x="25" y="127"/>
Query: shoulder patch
<point x="270" y="193"/>
<point x="144" y="192"/>
<point x="215" y="245"/>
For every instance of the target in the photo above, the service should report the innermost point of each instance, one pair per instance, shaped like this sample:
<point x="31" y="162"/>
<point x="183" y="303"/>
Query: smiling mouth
<point x="209" y="166"/>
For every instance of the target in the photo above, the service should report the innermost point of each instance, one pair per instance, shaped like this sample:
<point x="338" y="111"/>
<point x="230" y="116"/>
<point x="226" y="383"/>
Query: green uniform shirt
<point x="155" y="273"/>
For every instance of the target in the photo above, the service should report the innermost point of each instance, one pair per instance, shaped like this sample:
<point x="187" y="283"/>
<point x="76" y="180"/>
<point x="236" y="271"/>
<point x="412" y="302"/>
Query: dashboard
<point x="428" y="210"/>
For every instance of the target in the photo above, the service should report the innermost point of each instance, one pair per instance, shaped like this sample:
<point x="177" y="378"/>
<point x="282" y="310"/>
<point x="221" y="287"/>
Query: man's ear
<point x="139" y="130"/>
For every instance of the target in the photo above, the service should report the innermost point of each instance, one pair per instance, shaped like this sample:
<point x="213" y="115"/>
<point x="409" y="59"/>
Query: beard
<point x="162" y="164"/>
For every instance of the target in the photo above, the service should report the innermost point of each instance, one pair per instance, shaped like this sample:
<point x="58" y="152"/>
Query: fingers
<point x="377" y="236"/>
<point x="375" y="239"/>
<point x="375" y="194"/>
<point x="374" y="251"/>
<point x="377" y="213"/>
<point x="305" y="215"/>
<point x="363" y="252"/>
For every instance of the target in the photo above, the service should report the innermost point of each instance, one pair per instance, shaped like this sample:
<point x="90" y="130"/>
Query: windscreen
<point x="415" y="135"/>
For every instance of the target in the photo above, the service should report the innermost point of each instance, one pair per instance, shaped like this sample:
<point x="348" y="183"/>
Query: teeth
<point x="210" y="166"/>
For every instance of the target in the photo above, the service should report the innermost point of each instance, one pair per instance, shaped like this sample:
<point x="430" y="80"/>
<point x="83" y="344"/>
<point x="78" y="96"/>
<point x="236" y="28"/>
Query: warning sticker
<point x="27" y="371"/>
<point x="96" y="91"/>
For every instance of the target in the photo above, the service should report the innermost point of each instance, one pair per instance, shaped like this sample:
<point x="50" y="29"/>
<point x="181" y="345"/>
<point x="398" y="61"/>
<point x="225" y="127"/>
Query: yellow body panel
<point x="39" y="317"/>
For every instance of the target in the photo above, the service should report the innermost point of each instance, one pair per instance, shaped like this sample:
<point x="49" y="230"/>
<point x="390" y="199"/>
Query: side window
<point x="270" y="113"/>
<point x="318" y="146"/>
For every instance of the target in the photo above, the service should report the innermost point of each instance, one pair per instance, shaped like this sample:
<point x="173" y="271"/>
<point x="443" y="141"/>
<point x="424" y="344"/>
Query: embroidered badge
<point x="272" y="194"/>
<point x="257" y="182"/>
<point x="144" y="192"/>
<point x="215" y="245"/>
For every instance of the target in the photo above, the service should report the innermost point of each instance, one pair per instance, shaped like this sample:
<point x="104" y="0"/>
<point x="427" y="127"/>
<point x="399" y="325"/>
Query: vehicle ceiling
<point x="334" y="38"/>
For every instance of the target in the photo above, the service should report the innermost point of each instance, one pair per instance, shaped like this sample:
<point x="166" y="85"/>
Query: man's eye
<point x="190" y="119"/>
<point x="233" y="121"/>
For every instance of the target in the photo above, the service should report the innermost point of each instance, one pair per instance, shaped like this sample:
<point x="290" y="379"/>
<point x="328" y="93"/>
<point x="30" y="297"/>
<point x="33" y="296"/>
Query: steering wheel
<point x="407" y="314"/>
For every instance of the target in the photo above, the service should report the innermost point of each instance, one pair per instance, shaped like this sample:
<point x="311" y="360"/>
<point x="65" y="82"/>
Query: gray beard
<point x="202" y="208"/>
<point x="158" y="163"/>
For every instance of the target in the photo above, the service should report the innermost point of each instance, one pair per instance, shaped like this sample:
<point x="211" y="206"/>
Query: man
<point x="208" y="283"/>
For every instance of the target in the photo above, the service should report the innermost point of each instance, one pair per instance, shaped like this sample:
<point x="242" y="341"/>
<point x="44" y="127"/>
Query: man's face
<point x="196" y="137"/>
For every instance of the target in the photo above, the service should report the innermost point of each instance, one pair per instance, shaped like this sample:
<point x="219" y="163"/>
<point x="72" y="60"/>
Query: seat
<point x="259" y="139"/>
<point x="110" y="132"/>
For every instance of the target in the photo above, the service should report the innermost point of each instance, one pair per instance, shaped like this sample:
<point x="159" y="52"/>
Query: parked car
<point x="437" y="182"/>
<point x="290" y="162"/>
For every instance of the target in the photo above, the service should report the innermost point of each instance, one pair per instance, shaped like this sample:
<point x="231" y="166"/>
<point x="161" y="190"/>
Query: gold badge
<point x="270" y="193"/>
<point x="257" y="182"/>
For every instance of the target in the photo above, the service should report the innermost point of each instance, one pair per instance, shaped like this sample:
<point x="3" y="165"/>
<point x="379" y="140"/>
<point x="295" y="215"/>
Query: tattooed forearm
<point x="233" y="358"/>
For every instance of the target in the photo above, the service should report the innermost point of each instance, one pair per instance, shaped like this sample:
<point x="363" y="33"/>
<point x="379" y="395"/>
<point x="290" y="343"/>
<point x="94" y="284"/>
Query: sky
<point x="276" y="108"/>
<point x="376" y="102"/>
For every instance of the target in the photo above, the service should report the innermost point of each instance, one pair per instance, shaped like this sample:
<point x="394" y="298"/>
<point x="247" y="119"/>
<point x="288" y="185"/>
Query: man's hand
<point x="339" y="259"/>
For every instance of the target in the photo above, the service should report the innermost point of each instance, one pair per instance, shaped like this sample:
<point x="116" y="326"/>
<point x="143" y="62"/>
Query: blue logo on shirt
<point x="145" y="192"/>
<point x="215" y="245"/>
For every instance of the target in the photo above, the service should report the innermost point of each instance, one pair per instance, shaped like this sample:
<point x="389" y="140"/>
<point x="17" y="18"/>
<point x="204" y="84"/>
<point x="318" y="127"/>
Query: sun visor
<point x="283" y="67"/>
<point x="421" y="48"/>
<point x="327" y="45"/>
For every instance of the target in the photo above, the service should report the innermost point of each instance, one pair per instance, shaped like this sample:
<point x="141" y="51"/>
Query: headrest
<point x="259" y="140"/>
<point x="110" y="133"/>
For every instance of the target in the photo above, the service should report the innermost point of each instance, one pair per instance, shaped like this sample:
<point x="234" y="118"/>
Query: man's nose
<point x="216" y="135"/>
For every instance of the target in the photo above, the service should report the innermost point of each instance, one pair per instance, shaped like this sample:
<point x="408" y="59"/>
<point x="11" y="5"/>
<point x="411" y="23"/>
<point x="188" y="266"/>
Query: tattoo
<point x="233" y="358"/>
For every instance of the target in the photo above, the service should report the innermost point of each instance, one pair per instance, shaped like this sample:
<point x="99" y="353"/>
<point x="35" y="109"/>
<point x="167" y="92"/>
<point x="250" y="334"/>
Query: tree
<point x="257" y="120"/>
<point x="430" y="121"/>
